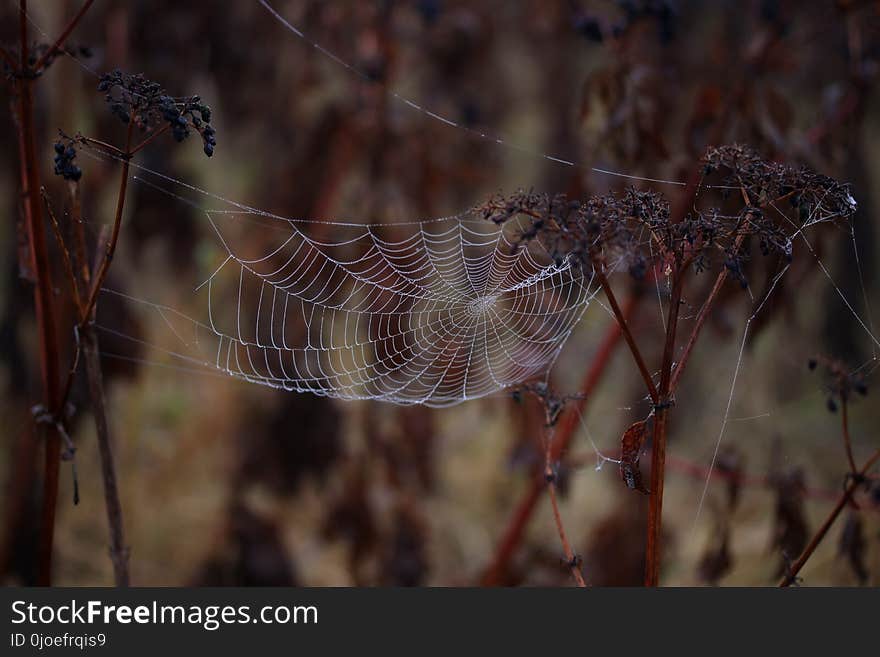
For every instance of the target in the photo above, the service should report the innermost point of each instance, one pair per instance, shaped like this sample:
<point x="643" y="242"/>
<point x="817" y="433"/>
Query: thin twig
<point x="65" y="254"/>
<point x="116" y="152"/>
<point x="59" y="42"/>
<point x="855" y="481"/>
<point x="571" y="559"/>
<point x="146" y="141"/>
<point x="702" y="316"/>
<point x="79" y="234"/>
<point x="709" y="303"/>
<point x="71" y="371"/>
<point x="119" y="551"/>
<point x="110" y="249"/>
<point x="567" y="429"/>
<point x="630" y="341"/>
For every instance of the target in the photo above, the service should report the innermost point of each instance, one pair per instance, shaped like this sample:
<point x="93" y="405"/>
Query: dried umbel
<point x="135" y="98"/>
<point x="815" y="197"/>
<point x="635" y="230"/>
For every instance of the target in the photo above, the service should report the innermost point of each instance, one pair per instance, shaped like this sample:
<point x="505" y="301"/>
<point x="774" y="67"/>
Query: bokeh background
<point x="226" y="483"/>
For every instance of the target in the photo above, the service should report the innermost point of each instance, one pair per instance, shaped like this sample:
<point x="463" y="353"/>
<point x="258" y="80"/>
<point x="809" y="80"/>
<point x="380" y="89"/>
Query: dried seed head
<point x="135" y="98"/>
<point x="634" y="230"/>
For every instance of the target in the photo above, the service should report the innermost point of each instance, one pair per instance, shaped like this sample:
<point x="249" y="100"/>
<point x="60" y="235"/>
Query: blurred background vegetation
<point x="226" y="483"/>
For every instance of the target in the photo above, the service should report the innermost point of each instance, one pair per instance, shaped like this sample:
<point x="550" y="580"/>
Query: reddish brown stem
<point x="705" y="310"/>
<point x="80" y="273"/>
<point x="59" y="42"/>
<point x="572" y="561"/>
<point x="844" y="415"/>
<point x="43" y="301"/>
<point x="65" y="253"/>
<point x="110" y="249"/>
<point x="496" y="572"/>
<point x="791" y="576"/>
<point x="570" y="557"/>
<point x="118" y="549"/>
<point x="698" y="327"/>
<point x="101" y="144"/>
<point x="653" y="551"/>
<point x="79" y="235"/>
<point x="148" y="140"/>
<point x="630" y="341"/>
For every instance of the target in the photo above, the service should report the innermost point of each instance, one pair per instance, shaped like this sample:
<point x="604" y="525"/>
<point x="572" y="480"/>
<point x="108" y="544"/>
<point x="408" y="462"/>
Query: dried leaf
<point x="790" y="528"/>
<point x="631" y="445"/>
<point x="405" y="562"/>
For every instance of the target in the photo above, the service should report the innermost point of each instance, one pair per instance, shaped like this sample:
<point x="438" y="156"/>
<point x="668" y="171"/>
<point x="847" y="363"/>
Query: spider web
<point x="432" y="313"/>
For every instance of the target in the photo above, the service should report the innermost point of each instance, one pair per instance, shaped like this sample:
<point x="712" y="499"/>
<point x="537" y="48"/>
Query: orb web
<point x="432" y="313"/>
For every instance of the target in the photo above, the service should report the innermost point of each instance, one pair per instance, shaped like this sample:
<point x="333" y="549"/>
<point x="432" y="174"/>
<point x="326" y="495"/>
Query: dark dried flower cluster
<point x="634" y="230"/>
<point x="839" y="383"/>
<point x="608" y="232"/>
<point x="814" y="196"/>
<point x="65" y="153"/>
<point x="135" y="98"/>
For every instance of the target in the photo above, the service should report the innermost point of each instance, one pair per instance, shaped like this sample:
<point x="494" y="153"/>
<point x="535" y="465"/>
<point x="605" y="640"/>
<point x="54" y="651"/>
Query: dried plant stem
<point x="791" y="576"/>
<point x="87" y="343"/>
<point x="571" y="559"/>
<point x="119" y="551"/>
<point x="43" y="302"/>
<point x="79" y="234"/>
<point x="147" y="140"/>
<point x="627" y="334"/>
<point x="653" y="547"/>
<point x="65" y="253"/>
<point x="59" y="42"/>
<point x="709" y="303"/>
<point x="110" y="148"/>
<point x="702" y="316"/>
<point x="568" y="424"/>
